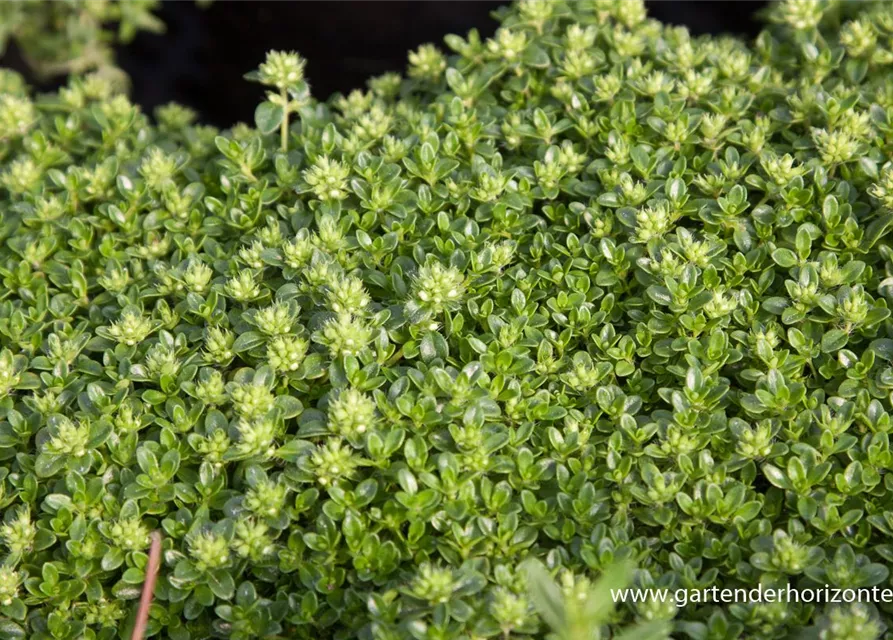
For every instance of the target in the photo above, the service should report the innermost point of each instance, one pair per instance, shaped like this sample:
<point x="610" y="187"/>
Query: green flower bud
<point x="373" y="125"/>
<point x="210" y="551"/>
<point x="214" y="446"/>
<point x="127" y="419"/>
<point x="853" y="307"/>
<point x="131" y="328"/>
<point x="788" y="556"/>
<point x="347" y="295"/>
<point x="276" y="319"/>
<point x="48" y="208"/>
<point x="251" y="400"/>
<point x="252" y="540"/>
<point x="346" y="335"/>
<point x="17" y="115"/>
<point x="657" y="609"/>
<point x="536" y="11"/>
<point x="722" y="304"/>
<point x="327" y="179"/>
<point x="509" y="610"/>
<point x="243" y="287"/>
<point x="298" y="252"/>
<point x="433" y="584"/>
<point x="197" y="277"/>
<point x="266" y="499"/>
<point x="438" y="287"/>
<point x="579" y="38"/>
<point x="282" y="69"/>
<point x="22" y="176"/>
<point x="156" y="246"/>
<point x="351" y="413"/>
<point x="115" y="279"/>
<point x="18" y="534"/>
<point x="330" y="236"/>
<point x="271" y="235"/>
<point x="46" y="403"/>
<point x="426" y="62"/>
<point x="286" y="353"/>
<point x="507" y="45"/>
<point x="257" y="438"/>
<point x="653" y="222"/>
<point x="162" y="360"/>
<point x="575" y="588"/>
<point x="252" y="255"/>
<point x="9" y="372"/>
<point x="104" y="613"/>
<point x="219" y="345"/>
<point x="158" y="169"/>
<point x="333" y="461"/>
<point x="835" y="147"/>
<point x="68" y="438"/>
<point x="799" y="14"/>
<point x="883" y="189"/>
<point x="853" y="622"/>
<point x="9" y="584"/>
<point x="129" y="534"/>
<point x="211" y="388"/>
<point x="174" y="117"/>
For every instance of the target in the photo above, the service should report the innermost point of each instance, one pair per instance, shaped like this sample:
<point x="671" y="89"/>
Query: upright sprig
<point x="284" y="71"/>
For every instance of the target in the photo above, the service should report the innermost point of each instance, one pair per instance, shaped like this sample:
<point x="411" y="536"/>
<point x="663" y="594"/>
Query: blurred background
<point x="200" y="59"/>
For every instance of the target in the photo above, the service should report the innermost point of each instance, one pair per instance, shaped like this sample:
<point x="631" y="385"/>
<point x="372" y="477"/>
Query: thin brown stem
<point x="142" y="614"/>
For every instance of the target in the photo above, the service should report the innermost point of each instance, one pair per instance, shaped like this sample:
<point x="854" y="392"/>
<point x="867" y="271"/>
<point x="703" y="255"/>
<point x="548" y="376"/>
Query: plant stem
<point x="283" y="126"/>
<point x="142" y="614"/>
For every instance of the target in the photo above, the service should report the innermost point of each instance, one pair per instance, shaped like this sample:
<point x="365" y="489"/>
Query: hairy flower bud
<point x="252" y="540"/>
<point x="68" y="438"/>
<point x="333" y="461"/>
<point x="9" y="584"/>
<point x="210" y="551"/>
<point x="131" y="328"/>
<point x="328" y="179"/>
<point x="18" y="534"/>
<point x="439" y="287"/>
<point x="351" y="413"/>
<point x="129" y="534"/>
<point x="282" y="69"/>
<point x="251" y="400"/>
<point x="286" y="353"/>
<point x="346" y="335"/>
<point x="433" y="584"/>
<point x="243" y="287"/>
<point x="426" y="62"/>
<point x="265" y="500"/>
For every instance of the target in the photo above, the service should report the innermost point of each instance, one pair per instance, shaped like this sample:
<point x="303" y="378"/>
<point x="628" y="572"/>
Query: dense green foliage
<point x="590" y="290"/>
<point x="74" y="36"/>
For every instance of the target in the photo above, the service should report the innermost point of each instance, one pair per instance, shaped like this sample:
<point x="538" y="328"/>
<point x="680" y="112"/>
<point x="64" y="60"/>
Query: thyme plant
<point x="592" y="292"/>
<point x="74" y="36"/>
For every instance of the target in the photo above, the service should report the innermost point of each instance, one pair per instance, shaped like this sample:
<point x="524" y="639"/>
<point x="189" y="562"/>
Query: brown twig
<point x="142" y="614"/>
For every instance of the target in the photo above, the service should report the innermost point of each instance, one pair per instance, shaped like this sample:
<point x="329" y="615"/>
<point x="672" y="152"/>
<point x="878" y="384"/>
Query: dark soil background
<point x="199" y="61"/>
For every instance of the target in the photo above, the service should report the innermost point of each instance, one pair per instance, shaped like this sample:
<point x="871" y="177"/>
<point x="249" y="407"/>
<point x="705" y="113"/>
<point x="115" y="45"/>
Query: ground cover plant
<point x="77" y="36"/>
<point x="593" y="292"/>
